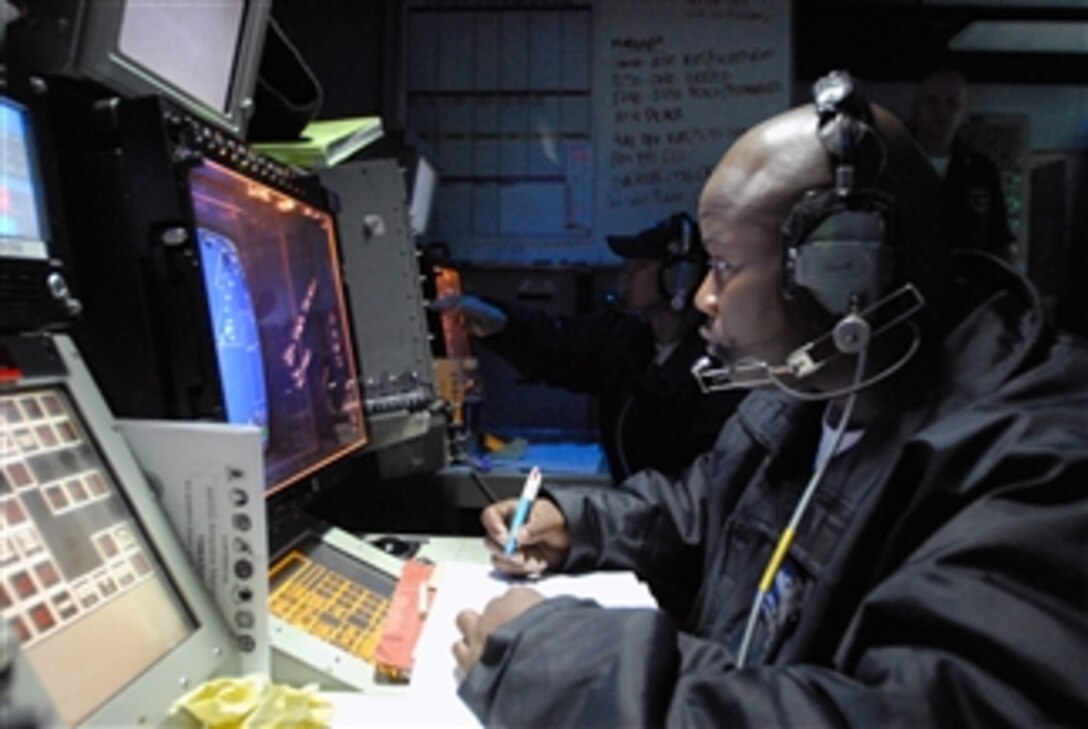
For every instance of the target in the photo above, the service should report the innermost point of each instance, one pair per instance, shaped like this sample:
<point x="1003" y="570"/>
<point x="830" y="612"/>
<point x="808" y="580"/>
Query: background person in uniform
<point x="891" y="529"/>
<point x="636" y="359"/>
<point x="972" y="198"/>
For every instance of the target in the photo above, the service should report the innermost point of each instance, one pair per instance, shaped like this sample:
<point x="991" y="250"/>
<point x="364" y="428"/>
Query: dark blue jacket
<point x="938" y="578"/>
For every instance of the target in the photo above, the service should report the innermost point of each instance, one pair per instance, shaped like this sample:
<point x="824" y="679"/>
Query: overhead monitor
<point x="100" y="597"/>
<point x="203" y="55"/>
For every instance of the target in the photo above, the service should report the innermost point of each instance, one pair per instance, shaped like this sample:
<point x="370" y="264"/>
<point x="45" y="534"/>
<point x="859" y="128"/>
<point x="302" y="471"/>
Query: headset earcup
<point x="802" y="220"/>
<point x="681" y="272"/>
<point x="677" y="280"/>
<point x="837" y="245"/>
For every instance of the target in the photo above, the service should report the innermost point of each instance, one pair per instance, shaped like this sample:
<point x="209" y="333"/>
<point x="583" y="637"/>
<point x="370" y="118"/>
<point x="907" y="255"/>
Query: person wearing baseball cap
<point x="635" y="358"/>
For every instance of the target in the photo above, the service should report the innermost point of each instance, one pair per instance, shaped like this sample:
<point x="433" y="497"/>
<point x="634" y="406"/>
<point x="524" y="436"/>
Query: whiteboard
<point x="559" y="122"/>
<point x="675" y="82"/>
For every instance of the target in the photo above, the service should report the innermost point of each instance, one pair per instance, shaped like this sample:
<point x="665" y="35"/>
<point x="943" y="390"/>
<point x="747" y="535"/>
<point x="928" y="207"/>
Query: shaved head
<point x="767" y="171"/>
<point x="750" y="195"/>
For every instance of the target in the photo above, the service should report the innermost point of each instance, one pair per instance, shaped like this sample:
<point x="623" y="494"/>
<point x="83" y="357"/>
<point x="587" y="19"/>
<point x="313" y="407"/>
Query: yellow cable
<point x="777" y="558"/>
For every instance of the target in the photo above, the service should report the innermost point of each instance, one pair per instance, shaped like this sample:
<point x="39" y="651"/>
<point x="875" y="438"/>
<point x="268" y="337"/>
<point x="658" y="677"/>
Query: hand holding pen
<point x="540" y="539"/>
<point x="521" y="512"/>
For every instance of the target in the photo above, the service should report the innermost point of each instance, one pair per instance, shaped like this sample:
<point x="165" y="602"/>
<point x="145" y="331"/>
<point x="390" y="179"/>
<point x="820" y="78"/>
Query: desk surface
<point x="431" y="697"/>
<point x="438" y="549"/>
<point x="321" y="625"/>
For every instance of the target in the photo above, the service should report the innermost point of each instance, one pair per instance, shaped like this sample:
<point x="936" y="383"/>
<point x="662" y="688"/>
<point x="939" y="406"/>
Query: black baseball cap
<point x="653" y="243"/>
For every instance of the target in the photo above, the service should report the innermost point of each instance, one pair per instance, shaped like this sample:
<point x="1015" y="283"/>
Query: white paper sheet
<point x="431" y="700"/>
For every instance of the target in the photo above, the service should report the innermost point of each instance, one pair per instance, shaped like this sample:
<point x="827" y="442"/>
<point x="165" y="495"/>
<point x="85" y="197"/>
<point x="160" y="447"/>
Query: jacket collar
<point x="1001" y="335"/>
<point x="771" y="418"/>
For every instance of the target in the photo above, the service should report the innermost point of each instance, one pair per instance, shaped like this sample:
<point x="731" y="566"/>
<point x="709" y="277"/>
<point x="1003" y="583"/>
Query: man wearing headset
<point x="889" y="532"/>
<point x="635" y="359"/>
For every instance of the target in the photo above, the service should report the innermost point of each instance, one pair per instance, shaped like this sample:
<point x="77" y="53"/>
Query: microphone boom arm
<point x="803" y="362"/>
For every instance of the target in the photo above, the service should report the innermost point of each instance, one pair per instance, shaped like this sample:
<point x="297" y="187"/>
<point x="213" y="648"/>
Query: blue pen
<point x="525" y="502"/>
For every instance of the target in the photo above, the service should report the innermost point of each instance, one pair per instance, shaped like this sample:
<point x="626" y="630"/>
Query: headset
<point x="684" y="265"/>
<point x="839" y="255"/>
<point x="838" y="248"/>
<point x="839" y="259"/>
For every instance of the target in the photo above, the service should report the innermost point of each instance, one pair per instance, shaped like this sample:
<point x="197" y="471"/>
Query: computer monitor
<point x="212" y="285"/>
<point x="203" y="55"/>
<point x="27" y="258"/>
<point x="96" y="591"/>
<point x="24" y="227"/>
<point x="279" y="320"/>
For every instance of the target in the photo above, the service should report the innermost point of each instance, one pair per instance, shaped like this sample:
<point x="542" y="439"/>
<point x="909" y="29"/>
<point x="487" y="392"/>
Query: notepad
<point x="325" y="142"/>
<point x="431" y="699"/>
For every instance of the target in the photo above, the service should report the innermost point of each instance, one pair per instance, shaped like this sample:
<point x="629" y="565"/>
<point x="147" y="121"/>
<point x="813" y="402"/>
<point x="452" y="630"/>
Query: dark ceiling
<point x="898" y="41"/>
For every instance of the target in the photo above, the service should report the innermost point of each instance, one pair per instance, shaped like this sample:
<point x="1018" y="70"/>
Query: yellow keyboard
<point x="328" y="604"/>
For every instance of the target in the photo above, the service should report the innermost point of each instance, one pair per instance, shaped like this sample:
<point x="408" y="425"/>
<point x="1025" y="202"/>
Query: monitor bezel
<point x="324" y="464"/>
<point x="210" y="650"/>
<point x="99" y="58"/>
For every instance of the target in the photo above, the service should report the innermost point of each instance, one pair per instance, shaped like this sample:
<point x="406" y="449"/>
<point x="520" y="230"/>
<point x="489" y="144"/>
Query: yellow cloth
<point x="252" y="702"/>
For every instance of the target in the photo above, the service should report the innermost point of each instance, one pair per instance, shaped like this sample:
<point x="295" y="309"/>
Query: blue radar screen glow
<point x="234" y="322"/>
